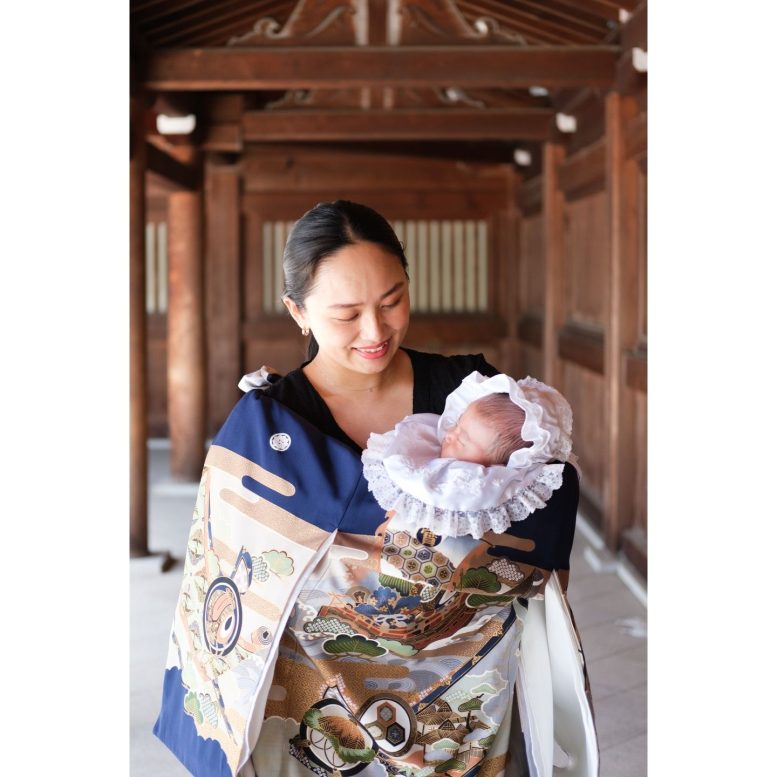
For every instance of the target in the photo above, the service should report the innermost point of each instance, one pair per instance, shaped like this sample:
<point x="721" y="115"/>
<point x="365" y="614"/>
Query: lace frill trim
<point x="457" y="523"/>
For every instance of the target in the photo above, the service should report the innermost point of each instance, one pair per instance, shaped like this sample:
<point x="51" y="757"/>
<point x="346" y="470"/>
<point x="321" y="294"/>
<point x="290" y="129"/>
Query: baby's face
<point x="470" y="440"/>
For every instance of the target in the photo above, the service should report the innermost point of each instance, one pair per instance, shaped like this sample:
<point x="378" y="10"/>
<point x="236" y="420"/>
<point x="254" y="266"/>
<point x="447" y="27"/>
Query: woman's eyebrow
<point x="383" y="296"/>
<point x="398" y="285"/>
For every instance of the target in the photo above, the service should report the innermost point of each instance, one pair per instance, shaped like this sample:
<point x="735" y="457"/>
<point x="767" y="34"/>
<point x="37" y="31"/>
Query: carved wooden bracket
<point x="432" y="22"/>
<point x="323" y="22"/>
<point x="345" y="23"/>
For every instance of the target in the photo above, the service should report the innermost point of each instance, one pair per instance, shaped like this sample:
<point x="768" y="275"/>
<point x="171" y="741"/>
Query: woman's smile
<point x="374" y="351"/>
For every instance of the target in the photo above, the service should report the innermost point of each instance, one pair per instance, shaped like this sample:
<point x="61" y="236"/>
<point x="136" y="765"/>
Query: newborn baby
<point x="494" y="456"/>
<point x="487" y="432"/>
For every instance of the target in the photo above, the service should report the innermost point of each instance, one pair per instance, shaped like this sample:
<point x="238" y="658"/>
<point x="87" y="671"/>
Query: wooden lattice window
<point x="448" y="264"/>
<point x="447" y="260"/>
<point x="156" y="267"/>
<point x="274" y="234"/>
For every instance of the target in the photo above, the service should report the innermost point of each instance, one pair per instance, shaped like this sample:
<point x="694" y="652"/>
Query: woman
<point x="310" y="636"/>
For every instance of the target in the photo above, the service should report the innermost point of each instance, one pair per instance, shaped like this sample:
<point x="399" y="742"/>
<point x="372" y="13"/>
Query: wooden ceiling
<point x="457" y="77"/>
<point x="208" y="23"/>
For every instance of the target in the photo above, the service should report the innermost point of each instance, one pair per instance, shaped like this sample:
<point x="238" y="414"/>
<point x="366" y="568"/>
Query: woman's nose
<point x="372" y="328"/>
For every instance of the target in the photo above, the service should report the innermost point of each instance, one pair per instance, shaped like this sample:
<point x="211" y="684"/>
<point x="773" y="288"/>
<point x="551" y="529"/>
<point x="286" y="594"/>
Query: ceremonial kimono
<point x="314" y="635"/>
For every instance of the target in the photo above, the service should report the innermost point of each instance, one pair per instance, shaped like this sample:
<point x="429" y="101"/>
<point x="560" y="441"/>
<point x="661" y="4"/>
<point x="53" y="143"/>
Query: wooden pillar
<point x="622" y="324"/>
<point x="222" y="291"/>
<point x="509" y="278"/>
<point x="185" y="336"/>
<point x="553" y="241"/>
<point x="138" y="365"/>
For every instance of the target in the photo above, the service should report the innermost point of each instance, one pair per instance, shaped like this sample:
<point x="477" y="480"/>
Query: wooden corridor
<point x="506" y="142"/>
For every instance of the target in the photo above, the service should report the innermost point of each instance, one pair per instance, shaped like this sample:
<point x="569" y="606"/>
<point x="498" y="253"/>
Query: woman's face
<point x="358" y="308"/>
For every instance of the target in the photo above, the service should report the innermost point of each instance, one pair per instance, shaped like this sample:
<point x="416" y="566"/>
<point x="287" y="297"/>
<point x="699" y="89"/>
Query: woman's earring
<point x="305" y="331"/>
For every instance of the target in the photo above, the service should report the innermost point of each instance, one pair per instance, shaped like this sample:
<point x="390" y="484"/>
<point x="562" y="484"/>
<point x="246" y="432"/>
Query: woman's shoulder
<point x="294" y="391"/>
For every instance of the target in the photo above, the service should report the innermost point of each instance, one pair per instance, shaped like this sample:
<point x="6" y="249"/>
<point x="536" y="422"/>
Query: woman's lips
<point x="374" y="351"/>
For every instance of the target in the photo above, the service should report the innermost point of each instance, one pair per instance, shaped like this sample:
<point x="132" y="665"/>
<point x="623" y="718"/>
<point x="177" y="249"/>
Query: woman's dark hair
<point x="323" y="231"/>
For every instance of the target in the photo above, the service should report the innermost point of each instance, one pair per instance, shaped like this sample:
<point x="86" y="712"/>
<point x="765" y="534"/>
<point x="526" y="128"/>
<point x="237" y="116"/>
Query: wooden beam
<point x="553" y="237"/>
<point x="583" y="172"/>
<point x="571" y="100"/>
<point x="636" y="136"/>
<point x="530" y="329"/>
<point x="183" y="176"/>
<point x="226" y="138"/>
<point x="276" y="326"/>
<point x="636" y="369"/>
<point x="174" y="104"/>
<point x="417" y="205"/>
<point x="337" y="67"/>
<point x="640" y="98"/>
<point x="138" y="360"/>
<point x="583" y="346"/>
<point x="288" y="168"/>
<point x="458" y="328"/>
<point x="464" y="151"/>
<point x="633" y="35"/>
<point x="590" y="122"/>
<point x="471" y="153"/>
<point x="224" y="108"/>
<point x="503" y="124"/>
<point x="627" y="80"/>
<point x="634" y="31"/>
<point x="426" y="327"/>
<point x="530" y="197"/>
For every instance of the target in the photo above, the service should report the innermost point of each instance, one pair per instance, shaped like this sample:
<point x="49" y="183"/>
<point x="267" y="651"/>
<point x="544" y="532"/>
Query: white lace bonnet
<point x="456" y="498"/>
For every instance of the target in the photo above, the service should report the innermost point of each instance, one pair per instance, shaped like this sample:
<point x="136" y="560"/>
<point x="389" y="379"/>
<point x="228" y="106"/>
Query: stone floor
<point x="608" y="604"/>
